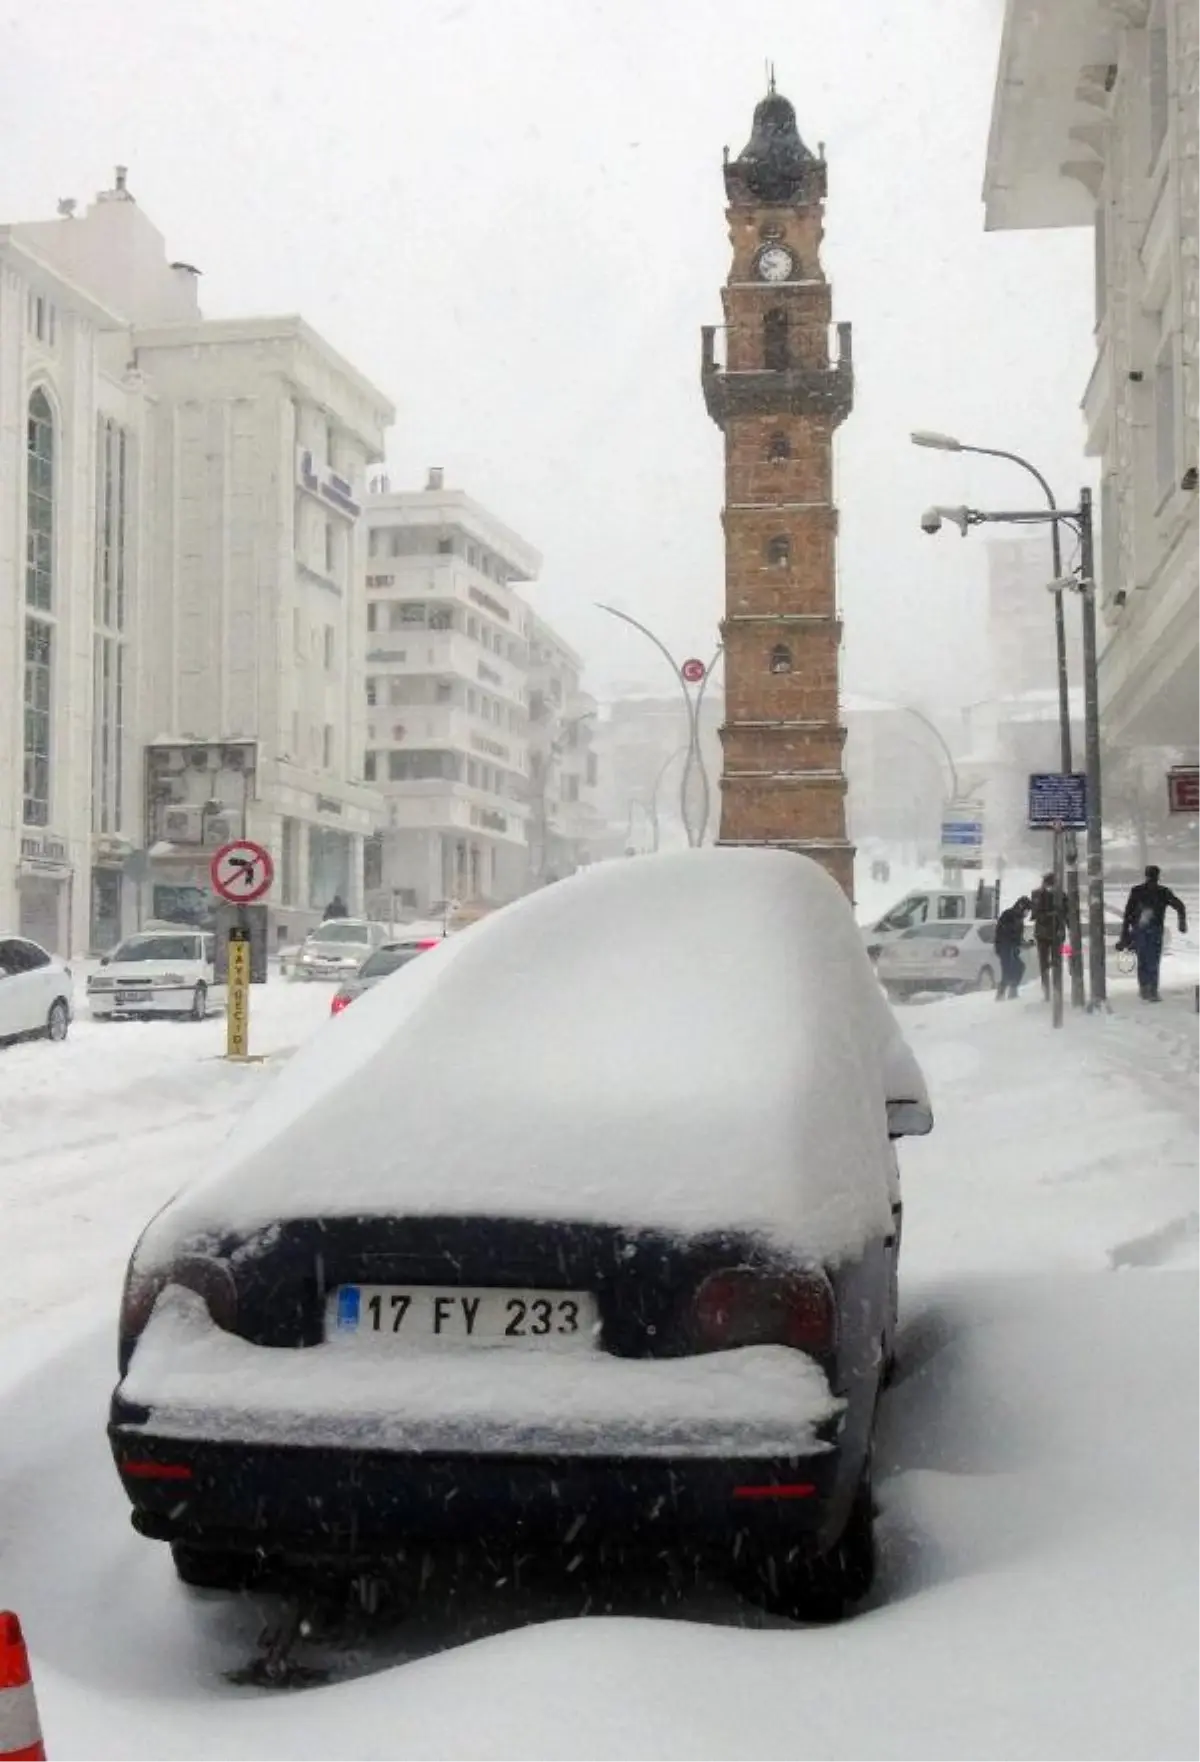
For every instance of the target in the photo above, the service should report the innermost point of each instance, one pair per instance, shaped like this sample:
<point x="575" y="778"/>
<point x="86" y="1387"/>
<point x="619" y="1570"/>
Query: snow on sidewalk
<point x="1037" y="1479"/>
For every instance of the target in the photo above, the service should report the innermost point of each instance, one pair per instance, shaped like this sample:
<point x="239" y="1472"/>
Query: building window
<point x="108" y="645"/>
<point x="329" y="648"/>
<point x="39" y="504"/>
<point x="570" y="787"/>
<point x="422" y="765"/>
<point x="779" y="447"/>
<point x="441" y="618"/>
<point x="1101" y="262"/>
<point x="443" y="692"/>
<point x="400" y="691"/>
<point x="330" y="548"/>
<point x="781" y="658"/>
<point x="39" y="638"/>
<point x="1158" y="68"/>
<point x="373" y="542"/>
<point x="327" y="746"/>
<point x="372" y="692"/>
<point x="445" y="547"/>
<point x="593" y="771"/>
<point x="775" y="340"/>
<point x="372" y="615"/>
<point x="370" y="765"/>
<point x="779" y="552"/>
<point x="1164" y="420"/>
<point x="395" y="537"/>
<point x="330" y="445"/>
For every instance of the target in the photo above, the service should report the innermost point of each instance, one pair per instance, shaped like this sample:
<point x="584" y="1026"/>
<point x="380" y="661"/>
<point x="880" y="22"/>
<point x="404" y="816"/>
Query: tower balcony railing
<point x="799" y="390"/>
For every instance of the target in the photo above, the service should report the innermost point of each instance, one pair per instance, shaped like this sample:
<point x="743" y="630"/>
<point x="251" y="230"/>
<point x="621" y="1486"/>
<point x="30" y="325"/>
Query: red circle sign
<point x="693" y="671"/>
<point x="241" y="872"/>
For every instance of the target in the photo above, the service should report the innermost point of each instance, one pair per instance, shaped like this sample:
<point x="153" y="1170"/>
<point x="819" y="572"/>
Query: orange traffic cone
<point x="20" y="1732"/>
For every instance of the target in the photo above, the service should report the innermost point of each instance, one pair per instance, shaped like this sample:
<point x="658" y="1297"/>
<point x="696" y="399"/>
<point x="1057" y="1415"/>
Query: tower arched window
<point x="779" y="552"/>
<point x="775" y="339"/>
<point x="779" y="447"/>
<point x="39" y="505"/>
<point x="781" y="658"/>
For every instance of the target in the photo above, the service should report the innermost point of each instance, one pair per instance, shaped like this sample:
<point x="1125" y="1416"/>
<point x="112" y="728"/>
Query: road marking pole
<point x="237" y="1008"/>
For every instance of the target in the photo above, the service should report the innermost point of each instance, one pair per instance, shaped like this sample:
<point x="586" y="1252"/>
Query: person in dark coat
<point x="1048" y="904"/>
<point x="1143" y="925"/>
<point x="1010" y="940"/>
<point x="335" y="909"/>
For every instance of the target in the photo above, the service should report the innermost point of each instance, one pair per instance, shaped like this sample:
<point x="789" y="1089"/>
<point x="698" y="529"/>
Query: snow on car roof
<point x="611" y="1052"/>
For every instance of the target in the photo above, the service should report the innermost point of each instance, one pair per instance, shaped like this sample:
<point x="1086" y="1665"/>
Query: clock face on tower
<point x="775" y="263"/>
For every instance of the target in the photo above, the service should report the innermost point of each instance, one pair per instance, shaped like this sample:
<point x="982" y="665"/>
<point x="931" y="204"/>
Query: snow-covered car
<point x="588" y="1230"/>
<point x="336" y="949"/>
<point x="388" y="959"/>
<point x="35" y="991"/>
<point x="959" y="955"/>
<point x="158" y="973"/>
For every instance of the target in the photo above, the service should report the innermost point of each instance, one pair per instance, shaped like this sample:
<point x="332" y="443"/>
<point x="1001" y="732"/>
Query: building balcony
<point x="438" y="805"/>
<point x="787" y="391"/>
<point x="413" y="650"/>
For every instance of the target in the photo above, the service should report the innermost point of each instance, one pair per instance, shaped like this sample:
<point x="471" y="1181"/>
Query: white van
<point x="931" y="905"/>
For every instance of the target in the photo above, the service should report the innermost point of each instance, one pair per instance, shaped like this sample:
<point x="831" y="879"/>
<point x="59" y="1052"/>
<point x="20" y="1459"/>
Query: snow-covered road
<point x="1038" y="1463"/>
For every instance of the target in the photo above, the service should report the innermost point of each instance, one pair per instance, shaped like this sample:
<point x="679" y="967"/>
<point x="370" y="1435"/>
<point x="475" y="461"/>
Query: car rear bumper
<point x="174" y="1002"/>
<point x="321" y="1504"/>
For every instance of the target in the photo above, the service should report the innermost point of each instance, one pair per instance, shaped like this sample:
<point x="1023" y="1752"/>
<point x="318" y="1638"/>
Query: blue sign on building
<point x="1058" y="798"/>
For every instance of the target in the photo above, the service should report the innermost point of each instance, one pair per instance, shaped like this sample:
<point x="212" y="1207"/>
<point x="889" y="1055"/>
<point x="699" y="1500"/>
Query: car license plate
<point x="424" y="1315"/>
<point x="133" y="997"/>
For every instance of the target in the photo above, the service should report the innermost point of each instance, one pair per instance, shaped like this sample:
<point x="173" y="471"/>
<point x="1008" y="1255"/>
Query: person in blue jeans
<point x="1142" y="928"/>
<point x="1010" y="940"/>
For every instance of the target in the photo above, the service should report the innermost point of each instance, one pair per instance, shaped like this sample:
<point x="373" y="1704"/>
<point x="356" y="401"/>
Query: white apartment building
<point x="180" y="612"/>
<point x="447" y="701"/>
<point x="564" y="823"/>
<point x="1095" y="124"/>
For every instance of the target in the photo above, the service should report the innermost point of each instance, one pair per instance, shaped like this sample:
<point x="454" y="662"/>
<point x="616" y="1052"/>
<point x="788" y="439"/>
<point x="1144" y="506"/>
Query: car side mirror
<point x="909" y="1119"/>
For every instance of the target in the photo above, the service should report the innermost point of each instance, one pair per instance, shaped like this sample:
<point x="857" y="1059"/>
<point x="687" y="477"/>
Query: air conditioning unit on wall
<point x="219" y="829"/>
<point x="180" y="825"/>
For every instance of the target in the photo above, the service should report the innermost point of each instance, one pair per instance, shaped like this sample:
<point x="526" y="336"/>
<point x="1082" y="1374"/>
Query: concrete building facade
<point x="1095" y="124"/>
<point x="563" y="760"/>
<point x="777" y="399"/>
<point x="447" y="698"/>
<point x="179" y="624"/>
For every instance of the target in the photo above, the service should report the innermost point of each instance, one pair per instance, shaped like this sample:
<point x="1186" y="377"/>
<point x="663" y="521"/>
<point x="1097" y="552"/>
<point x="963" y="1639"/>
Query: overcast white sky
<point x="509" y="214"/>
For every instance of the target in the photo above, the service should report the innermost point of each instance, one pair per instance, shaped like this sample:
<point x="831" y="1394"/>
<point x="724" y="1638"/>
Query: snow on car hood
<point x="685" y="1042"/>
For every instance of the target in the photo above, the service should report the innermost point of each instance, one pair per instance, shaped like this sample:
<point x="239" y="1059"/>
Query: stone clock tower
<point x="777" y="400"/>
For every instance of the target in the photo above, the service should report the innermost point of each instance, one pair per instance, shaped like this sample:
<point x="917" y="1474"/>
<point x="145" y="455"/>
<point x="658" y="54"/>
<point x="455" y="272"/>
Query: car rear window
<point x="157" y="948"/>
<point x="942" y="932"/>
<point x="387" y="960"/>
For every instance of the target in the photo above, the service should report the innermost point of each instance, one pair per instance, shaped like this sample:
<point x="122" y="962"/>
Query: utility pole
<point x="1097" y="964"/>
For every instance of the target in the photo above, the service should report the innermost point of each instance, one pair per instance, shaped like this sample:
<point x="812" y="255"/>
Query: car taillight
<point x="950" y="951"/>
<point x="745" y="1307"/>
<point x="210" y="1279"/>
<point x="431" y="942"/>
<point x="338" y="1003"/>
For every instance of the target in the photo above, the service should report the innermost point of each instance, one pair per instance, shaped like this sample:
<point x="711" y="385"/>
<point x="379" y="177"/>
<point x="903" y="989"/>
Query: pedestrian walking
<point x="1010" y="940"/>
<point x="1142" y="928"/>
<point x="1048" y="904"/>
<point x="335" y="909"/>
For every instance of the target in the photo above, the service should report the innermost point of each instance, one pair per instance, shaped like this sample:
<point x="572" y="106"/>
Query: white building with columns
<point x="1095" y="124"/>
<point x="181" y="622"/>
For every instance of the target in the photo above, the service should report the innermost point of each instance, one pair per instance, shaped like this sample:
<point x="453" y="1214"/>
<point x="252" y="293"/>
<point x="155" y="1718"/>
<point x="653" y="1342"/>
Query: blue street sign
<point x="1058" y="798"/>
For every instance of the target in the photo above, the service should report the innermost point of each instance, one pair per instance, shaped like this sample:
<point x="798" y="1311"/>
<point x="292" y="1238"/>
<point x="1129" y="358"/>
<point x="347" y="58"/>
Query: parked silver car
<point x="959" y="955"/>
<point x="388" y="959"/>
<point x="337" y="948"/>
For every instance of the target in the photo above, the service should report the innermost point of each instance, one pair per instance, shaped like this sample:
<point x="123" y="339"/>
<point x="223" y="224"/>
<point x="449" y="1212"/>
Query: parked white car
<point x="953" y="955"/>
<point x="158" y="973"/>
<point x="35" y="991"/>
<point x="924" y="906"/>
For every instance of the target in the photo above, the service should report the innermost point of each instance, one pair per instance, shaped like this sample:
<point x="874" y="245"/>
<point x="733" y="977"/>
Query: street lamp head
<point x="929" y="437"/>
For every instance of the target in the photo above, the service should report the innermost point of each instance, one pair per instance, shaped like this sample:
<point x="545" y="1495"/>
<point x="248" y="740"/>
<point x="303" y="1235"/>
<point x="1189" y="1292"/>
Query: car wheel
<point x="199" y="1003"/>
<point x="986" y="980"/>
<point x="58" y="1020"/>
<point x="826" y="1588"/>
<point x="213" y="1569"/>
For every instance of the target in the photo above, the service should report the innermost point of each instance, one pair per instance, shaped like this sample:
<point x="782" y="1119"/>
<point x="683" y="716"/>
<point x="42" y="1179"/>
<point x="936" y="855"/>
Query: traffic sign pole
<point x="237" y="1008"/>
<point x="241" y="873"/>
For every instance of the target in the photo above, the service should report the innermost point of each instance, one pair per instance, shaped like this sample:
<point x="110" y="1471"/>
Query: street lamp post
<point x="1080" y="521"/>
<point x="695" y="758"/>
<point x="947" y="443"/>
